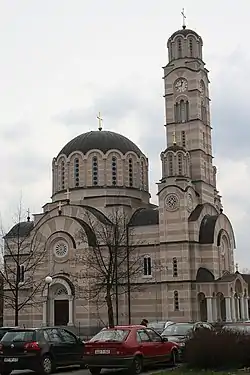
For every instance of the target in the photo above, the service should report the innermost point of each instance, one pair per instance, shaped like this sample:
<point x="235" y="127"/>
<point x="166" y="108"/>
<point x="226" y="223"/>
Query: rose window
<point x="61" y="249"/>
<point x="172" y="202"/>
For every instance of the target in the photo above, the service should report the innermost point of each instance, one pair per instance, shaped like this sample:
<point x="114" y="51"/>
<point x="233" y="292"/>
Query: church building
<point x="188" y="271"/>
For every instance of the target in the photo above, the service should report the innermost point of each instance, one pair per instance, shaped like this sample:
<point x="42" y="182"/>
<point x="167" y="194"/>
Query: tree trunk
<point x="110" y="310"/>
<point x="16" y="309"/>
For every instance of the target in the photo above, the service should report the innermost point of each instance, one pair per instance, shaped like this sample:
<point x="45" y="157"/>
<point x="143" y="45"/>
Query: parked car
<point x="3" y="330"/>
<point x="180" y="332"/>
<point x="128" y="347"/>
<point x="39" y="349"/>
<point x="240" y="327"/>
<point x="159" y="326"/>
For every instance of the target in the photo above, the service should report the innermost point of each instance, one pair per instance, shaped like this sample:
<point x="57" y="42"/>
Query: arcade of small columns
<point x="218" y="307"/>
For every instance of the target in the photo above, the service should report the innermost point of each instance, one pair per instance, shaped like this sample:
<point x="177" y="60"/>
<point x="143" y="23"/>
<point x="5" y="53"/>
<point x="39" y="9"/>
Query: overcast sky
<point x="62" y="61"/>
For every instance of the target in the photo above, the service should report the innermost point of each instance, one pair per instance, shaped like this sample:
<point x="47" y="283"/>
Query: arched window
<point x="130" y="172"/>
<point x="94" y="170"/>
<point x="180" y="164"/>
<point x="179" y="48"/>
<point x="142" y="175"/>
<point x="76" y="172"/>
<point x="175" y="267"/>
<point x="176" y="301"/>
<point x="63" y="174"/>
<point x="114" y="170"/>
<point x="147" y="266"/>
<point x="170" y="165"/>
<point x="191" y="47"/>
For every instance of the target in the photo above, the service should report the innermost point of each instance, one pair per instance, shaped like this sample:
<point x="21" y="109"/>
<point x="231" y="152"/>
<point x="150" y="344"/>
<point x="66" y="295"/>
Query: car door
<point x="52" y="335"/>
<point x="145" y="346"/>
<point x="73" y="346"/>
<point x="161" y="349"/>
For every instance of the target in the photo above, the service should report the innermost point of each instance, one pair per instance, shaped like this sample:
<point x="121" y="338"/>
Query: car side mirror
<point x="164" y="339"/>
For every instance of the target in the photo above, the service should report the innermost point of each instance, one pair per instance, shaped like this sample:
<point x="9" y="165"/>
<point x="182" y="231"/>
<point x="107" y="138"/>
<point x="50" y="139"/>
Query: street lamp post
<point x="48" y="280"/>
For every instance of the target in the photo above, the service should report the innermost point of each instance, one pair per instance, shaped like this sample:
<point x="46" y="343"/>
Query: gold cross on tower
<point x="183" y="18"/>
<point x="100" y="121"/>
<point x="174" y="138"/>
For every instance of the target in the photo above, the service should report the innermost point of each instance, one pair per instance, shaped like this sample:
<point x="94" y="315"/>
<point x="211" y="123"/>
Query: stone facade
<point x="187" y="272"/>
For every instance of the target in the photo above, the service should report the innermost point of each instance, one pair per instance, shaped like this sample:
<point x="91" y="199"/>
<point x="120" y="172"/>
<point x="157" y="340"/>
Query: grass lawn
<point x="185" y="371"/>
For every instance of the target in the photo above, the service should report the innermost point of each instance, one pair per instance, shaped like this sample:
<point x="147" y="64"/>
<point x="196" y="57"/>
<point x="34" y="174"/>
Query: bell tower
<point x="187" y="107"/>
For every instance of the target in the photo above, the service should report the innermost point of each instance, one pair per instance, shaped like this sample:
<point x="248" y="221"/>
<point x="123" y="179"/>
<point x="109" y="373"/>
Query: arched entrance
<point x="58" y="304"/>
<point x="202" y="307"/>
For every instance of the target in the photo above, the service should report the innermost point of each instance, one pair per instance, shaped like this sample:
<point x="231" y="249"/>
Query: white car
<point x="159" y="325"/>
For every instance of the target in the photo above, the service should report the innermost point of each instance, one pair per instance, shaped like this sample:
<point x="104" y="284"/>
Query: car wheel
<point x="173" y="358"/>
<point x="47" y="365"/>
<point x="95" y="371"/>
<point x="137" y="366"/>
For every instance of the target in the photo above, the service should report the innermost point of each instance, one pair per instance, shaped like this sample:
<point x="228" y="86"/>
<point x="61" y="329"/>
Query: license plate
<point x="102" y="351"/>
<point x="11" y="360"/>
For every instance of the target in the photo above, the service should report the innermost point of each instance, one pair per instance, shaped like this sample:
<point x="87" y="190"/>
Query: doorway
<point x="61" y="312"/>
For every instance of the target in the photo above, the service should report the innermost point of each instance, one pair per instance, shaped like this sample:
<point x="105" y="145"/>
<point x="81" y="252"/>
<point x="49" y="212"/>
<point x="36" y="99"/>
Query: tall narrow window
<point x="177" y="112"/>
<point x="63" y="175"/>
<point x="142" y="175"/>
<point x="175" y="267"/>
<point x="204" y="139"/>
<point x="176" y="301"/>
<point x="179" y="48"/>
<point x="180" y="164"/>
<point x="147" y="266"/>
<point x="191" y="47"/>
<point x="182" y="111"/>
<point x="183" y="138"/>
<point x="95" y="171"/>
<point x="170" y="165"/>
<point x="76" y="172"/>
<point x="114" y="170"/>
<point x="20" y="273"/>
<point x="187" y="111"/>
<point x="203" y="114"/>
<point x="205" y="169"/>
<point x="130" y="172"/>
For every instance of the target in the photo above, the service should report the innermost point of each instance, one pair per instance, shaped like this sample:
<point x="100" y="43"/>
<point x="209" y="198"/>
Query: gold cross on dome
<point x="67" y="194"/>
<point x="174" y="138"/>
<point x="100" y="121"/>
<point x="183" y="18"/>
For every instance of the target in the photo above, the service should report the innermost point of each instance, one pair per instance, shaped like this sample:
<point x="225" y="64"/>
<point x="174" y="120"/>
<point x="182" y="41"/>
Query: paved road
<point x="76" y="371"/>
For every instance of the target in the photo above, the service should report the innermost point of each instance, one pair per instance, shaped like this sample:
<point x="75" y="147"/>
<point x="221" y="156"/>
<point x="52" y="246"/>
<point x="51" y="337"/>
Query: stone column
<point x="237" y="300"/>
<point x="228" y="309"/>
<point x="44" y="313"/>
<point x="70" y="323"/>
<point x="215" y="311"/>
<point x="233" y="309"/>
<point x="246" y="308"/>
<point x="242" y="308"/>
<point x="209" y="309"/>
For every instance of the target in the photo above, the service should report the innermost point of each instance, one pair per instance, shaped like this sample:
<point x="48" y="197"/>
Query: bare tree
<point x="112" y="261"/>
<point x="22" y="256"/>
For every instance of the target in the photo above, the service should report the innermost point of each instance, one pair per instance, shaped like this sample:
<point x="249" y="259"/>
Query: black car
<point x="39" y="349"/>
<point x="4" y="330"/>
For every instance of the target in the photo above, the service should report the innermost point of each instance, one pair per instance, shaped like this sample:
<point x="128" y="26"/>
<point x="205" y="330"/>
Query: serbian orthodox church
<point x="188" y="269"/>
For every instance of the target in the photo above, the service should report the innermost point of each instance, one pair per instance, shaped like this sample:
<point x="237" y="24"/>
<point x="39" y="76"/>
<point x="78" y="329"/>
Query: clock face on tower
<point x="181" y="85"/>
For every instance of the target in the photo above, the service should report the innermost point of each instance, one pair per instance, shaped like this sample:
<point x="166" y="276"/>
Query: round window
<point x="61" y="249"/>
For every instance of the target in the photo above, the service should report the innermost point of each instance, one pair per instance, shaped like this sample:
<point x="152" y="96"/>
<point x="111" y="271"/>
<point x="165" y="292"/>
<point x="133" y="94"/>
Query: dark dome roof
<point x="185" y="32"/>
<point x="100" y="140"/>
<point x="21" y="229"/>
<point x="145" y="216"/>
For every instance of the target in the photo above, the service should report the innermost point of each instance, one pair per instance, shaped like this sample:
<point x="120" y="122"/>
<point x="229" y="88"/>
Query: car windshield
<point x="157" y="325"/>
<point x="115" y="335"/>
<point x="3" y="331"/>
<point x="18" y="336"/>
<point x="177" y="329"/>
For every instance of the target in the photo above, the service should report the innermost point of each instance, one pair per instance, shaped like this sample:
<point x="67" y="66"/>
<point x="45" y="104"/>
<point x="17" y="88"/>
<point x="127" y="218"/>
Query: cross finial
<point x="28" y="214"/>
<point x="183" y="18"/>
<point x="174" y="138"/>
<point x="59" y="208"/>
<point x="237" y="267"/>
<point x="67" y="195"/>
<point x="100" y="121"/>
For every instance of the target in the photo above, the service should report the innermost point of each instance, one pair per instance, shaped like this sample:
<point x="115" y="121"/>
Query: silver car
<point x="160" y="325"/>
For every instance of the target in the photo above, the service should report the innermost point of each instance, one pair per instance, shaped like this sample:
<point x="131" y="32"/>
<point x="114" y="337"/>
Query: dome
<point x="175" y="148"/>
<point x="100" y="140"/>
<point x="185" y="33"/>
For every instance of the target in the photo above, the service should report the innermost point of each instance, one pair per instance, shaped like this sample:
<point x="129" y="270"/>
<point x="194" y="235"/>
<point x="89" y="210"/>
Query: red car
<point x="128" y="347"/>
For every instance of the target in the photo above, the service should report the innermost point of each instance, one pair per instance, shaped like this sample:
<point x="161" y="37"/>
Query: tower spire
<point x="183" y="18"/>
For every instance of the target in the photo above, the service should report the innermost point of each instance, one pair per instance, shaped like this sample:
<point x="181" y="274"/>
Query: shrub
<point x="217" y="350"/>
